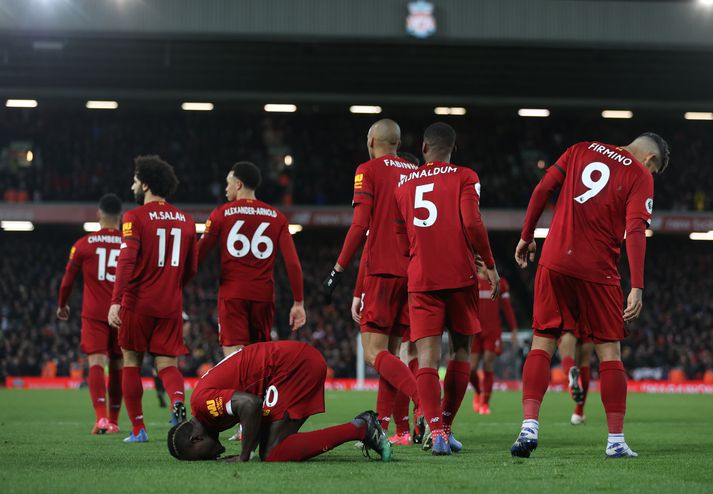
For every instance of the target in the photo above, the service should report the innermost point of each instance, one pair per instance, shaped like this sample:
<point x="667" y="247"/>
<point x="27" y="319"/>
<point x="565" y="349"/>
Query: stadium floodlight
<point x="200" y="227"/>
<point x="21" y="103"/>
<point x="29" y="156"/>
<point x="102" y="105"/>
<point x="649" y="232"/>
<point x="541" y="232"/>
<point x="617" y="114"/>
<point x="280" y="108"/>
<point x="449" y="110"/>
<point x="701" y="235"/>
<point x="17" y="226"/>
<point x="195" y="106"/>
<point x="705" y="3"/>
<point x="294" y="228"/>
<point x="289" y="161"/>
<point x="370" y="109"/>
<point x="698" y="115"/>
<point x="92" y="226"/>
<point x="533" y="112"/>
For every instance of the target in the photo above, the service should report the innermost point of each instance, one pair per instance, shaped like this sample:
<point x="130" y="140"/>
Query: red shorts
<point x="241" y="322"/>
<point x="158" y="336"/>
<point x="487" y="341"/>
<point x="591" y="310"/>
<point x="385" y="305"/>
<point x="432" y="312"/>
<point x="99" y="337"/>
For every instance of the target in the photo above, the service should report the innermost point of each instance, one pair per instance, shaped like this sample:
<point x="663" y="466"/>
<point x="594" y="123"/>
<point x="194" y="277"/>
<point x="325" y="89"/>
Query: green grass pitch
<point x="45" y="446"/>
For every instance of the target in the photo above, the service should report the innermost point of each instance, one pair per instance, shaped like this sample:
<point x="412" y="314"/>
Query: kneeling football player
<point x="271" y="389"/>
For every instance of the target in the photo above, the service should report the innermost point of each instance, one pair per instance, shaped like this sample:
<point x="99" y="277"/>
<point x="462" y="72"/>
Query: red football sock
<point x="305" y="445"/>
<point x="133" y="391"/>
<point x="613" y="388"/>
<point x="475" y="380"/>
<point x="488" y="378"/>
<point x="401" y="412"/>
<point x="567" y="364"/>
<point x="397" y="373"/>
<point x="114" y="394"/>
<point x="584" y="376"/>
<point x="173" y="382"/>
<point x="97" y="390"/>
<point x="429" y="389"/>
<point x="535" y="379"/>
<point x="454" y="386"/>
<point x="385" y="398"/>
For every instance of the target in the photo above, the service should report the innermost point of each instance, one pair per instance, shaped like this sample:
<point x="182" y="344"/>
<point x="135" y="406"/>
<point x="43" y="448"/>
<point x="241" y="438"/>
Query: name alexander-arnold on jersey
<point x="250" y="210"/>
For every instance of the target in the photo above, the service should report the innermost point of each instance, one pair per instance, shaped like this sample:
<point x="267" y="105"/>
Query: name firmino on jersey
<point x="610" y="153"/>
<point x="166" y="215"/>
<point x="429" y="172"/>
<point x="250" y="211"/>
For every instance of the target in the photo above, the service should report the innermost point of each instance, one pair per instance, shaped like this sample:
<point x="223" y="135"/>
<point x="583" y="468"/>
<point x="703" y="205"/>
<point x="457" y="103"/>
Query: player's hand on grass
<point x="494" y="279"/>
<point x="634" y="304"/>
<point x="356" y="309"/>
<point x="298" y="317"/>
<point x="524" y="252"/>
<point x="332" y="282"/>
<point x="63" y="313"/>
<point x="113" y="316"/>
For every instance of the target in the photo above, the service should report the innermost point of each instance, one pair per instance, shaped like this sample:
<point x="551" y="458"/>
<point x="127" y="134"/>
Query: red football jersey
<point x="374" y="184"/>
<point x="252" y="369"/>
<point x="429" y="203"/>
<point x="159" y="244"/>
<point x="489" y="309"/>
<point x="250" y="233"/>
<point x="96" y="256"/>
<point x="604" y="186"/>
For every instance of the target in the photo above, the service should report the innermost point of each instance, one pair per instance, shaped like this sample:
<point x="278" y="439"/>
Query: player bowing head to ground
<point x="271" y="389"/>
<point x="95" y="256"/>
<point x="158" y="257"/>
<point x="439" y="225"/>
<point x="250" y="233"/>
<point x="385" y="297"/>
<point x="605" y="194"/>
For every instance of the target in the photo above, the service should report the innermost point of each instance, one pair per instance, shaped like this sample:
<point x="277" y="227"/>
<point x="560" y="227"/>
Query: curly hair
<point x="158" y="175"/>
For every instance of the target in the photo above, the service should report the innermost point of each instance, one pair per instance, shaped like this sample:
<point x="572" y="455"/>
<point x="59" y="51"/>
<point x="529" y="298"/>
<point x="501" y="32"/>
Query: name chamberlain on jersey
<point x="167" y="215"/>
<point x="430" y="172"/>
<point x="111" y="239"/>
<point x="250" y="210"/>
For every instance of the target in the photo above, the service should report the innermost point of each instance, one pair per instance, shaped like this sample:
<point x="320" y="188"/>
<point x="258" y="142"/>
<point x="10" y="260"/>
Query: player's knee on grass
<point x="189" y="443"/>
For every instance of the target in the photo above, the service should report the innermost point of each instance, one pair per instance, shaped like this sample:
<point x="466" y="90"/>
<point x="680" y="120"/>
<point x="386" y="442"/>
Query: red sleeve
<point x="359" y="287"/>
<point x="130" y="243"/>
<point x="506" y="305"/>
<point x="210" y="236"/>
<point x="472" y="222"/>
<point x="363" y="187"/>
<point x="356" y="234"/>
<point x="292" y="264"/>
<point x="401" y="232"/>
<point x="192" y="259"/>
<point x="639" y="208"/>
<point x="552" y="180"/>
<point x="74" y="264"/>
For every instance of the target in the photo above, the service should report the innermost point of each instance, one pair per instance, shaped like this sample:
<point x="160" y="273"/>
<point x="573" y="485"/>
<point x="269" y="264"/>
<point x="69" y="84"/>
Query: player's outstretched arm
<point x="248" y="409"/>
<point x="298" y="316"/>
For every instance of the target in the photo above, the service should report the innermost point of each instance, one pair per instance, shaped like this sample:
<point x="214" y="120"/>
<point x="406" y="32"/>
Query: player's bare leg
<point x="475" y="380"/>
<point x="115" y="368"/>
<point x="612" y="378"/>
<point x="429" y="391"/>
<point x="488" y="378"/>
<point x="172" y="378"/>
<point x="133" y="390"/>
<point x="535" y="380"/>
<point x="455" y="383"/>
<point x="567" y="347"/>
<point x="584" y="358"/>
<point x="97" y="391"/>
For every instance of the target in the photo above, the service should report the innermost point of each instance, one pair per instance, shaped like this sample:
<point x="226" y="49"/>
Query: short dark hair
<point x="409" y="157"/>
<point x="110" y="204"/>
<point x="178" y="438"/>
<point x="440" y="136"/>
<point x="159" y="176"/>
<point x="664" y="151"/>
<point x="247" y="173"/>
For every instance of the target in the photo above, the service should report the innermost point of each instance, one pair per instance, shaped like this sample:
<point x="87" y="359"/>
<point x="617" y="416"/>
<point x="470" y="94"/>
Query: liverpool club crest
<point x="420" y="22"/>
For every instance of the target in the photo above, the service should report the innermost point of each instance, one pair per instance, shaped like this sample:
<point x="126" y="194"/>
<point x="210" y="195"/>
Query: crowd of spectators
<point x="79" y="155"/>
<point x="675" y="330"/>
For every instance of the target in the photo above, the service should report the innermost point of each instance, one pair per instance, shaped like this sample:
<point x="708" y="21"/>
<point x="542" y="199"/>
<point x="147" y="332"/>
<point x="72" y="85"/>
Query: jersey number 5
<point x="247" y="245"/>
<point x="594" y="186"/>
<point x="421" y="203"/>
